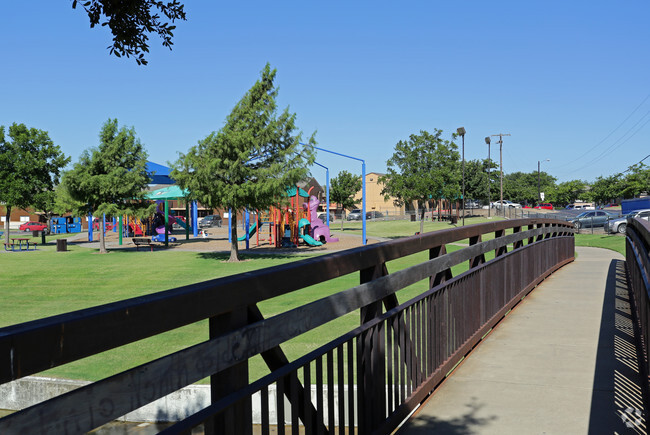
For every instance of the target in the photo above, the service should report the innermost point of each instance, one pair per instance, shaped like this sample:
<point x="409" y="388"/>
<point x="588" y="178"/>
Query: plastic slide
<point x="310" y="240"/>
<point x="251" y="232"/>
<point x="181" y="223"/>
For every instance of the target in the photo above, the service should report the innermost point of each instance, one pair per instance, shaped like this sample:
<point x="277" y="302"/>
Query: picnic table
<point x="19" y="241"/>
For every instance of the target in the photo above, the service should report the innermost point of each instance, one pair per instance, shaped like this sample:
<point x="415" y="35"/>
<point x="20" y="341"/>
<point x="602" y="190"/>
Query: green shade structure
<point x="170" y="192"/>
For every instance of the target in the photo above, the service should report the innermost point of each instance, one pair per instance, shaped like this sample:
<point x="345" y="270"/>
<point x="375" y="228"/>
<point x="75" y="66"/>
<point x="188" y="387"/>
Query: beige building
<point x="375" y="200"/>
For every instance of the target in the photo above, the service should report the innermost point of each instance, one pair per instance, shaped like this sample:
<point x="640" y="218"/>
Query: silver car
<point x="619" y="225"/>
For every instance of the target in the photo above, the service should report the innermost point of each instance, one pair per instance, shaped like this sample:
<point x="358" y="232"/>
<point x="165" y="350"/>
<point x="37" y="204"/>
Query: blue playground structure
<point x="62" y="225"/>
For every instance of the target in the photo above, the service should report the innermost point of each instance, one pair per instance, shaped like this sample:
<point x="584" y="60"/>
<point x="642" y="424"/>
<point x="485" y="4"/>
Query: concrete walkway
<point x="562" y="362"/>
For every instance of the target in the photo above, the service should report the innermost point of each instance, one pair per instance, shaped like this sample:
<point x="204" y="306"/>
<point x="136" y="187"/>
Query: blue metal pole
<point x="246" y="227"/>
<point x="229" y="226"/>
<point x="327" y="194"/>
<point x="90" y="227"/>
<point x="195" y="219"/>
<point x="363" y="200"/>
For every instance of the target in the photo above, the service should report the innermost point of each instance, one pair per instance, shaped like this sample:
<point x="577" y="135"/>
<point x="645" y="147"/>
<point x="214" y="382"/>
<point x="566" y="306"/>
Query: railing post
<point x="473" y="262"/>
<point x="371" y="385"/>
<point x="238" y="418"/>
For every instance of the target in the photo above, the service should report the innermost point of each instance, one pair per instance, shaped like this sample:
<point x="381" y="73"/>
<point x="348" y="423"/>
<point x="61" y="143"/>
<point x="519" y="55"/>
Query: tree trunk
<point x="422" y="220"/>
<point x="102" y="242"/>
<point x="7" y="224"/>
<point x="342" y="218"/>
<point x="234" y="245"/>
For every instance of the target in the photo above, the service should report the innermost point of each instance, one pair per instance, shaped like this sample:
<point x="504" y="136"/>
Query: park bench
<point x="139" y="241"/>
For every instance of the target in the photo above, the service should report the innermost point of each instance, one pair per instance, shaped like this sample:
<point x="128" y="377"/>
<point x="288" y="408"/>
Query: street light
<point x="461" y="132"/>
<point x="539" y="194"/>
<point x="487" y="141"/>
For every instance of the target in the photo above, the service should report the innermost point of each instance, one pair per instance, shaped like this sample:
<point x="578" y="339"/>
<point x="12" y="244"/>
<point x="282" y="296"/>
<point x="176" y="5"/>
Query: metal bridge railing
<point x="366" y="381"/>
<point x="637" y="259"/>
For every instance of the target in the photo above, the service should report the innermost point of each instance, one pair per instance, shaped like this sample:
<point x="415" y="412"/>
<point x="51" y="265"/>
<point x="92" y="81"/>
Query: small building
<point x="375" y="201"/>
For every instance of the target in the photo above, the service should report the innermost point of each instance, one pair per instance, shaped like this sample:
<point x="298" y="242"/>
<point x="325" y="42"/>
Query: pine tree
<point x="250" y="162"/>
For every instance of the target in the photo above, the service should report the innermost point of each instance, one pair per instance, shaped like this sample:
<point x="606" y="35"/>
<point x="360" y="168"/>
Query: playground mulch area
<point x="217" y="241"/>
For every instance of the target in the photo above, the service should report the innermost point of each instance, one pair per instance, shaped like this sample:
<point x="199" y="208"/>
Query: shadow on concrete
<point x="468" y="423"/>
<point x="617" y="402"/>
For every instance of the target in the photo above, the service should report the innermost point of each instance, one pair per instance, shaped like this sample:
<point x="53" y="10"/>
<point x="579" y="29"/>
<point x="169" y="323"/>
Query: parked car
<point x="544" y="206"/>
<point x="211" y="220"/>
<point x="354" y="215"/>
<point x="323" y="216"/>
<point x="583" y="206"/>
<point x="34" y="226"/>
<point x="374" y="215"/>
<point x="620" y="225"/>
<point x="588" y="219"/>
<point x="506" y="204"/>
<point x="472" y="204"/>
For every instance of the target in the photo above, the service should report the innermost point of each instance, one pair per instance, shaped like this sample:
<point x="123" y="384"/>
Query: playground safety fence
<point x="365" y="381"/>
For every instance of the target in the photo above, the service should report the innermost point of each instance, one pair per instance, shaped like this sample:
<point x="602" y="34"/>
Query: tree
<point x="523" y="186"/>
<point x="131" y="20"/>
<point x="423" y="168"/>
<point x="344" y="188"/>
<point x="476" y="179"/>
<point x="30" y="165"/>
<point x="607" y="189"/>
<point x="569" y="191"/>
<point x="251" y="161"/>
<point x="636" y="181"/>
<point x="110" y="179"/>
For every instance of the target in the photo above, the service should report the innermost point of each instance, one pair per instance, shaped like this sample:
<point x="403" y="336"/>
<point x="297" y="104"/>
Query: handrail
<point x="34" y="346"/>
<point x="637" y="260"/>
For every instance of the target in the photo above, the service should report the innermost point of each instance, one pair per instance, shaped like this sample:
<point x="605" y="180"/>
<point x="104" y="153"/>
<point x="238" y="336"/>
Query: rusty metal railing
<point x="366" y="381"/>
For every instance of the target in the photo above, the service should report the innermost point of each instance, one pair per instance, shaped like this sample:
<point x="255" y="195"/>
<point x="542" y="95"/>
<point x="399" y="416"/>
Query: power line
<point x="608" y="136"/>
<point x="612" y="147"/>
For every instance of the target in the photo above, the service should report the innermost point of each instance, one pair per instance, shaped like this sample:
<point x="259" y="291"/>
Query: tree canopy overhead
<point x="30" y="165"/>
<point x="423" y="168"/>
<point x="131" y="20"/>
<point x="250" y="162"/>
<point x="110" y="179"/>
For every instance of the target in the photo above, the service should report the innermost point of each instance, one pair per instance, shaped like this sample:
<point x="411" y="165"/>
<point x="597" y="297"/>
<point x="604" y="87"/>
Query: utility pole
<point x="501" y="163"/>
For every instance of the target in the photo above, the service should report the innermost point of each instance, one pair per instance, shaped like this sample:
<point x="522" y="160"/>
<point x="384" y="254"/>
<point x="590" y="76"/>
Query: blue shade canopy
<point x="160" y="173"/>
<point x="171" y="192"/>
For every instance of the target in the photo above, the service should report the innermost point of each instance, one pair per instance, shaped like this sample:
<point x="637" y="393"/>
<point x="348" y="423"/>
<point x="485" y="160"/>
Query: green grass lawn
<point x="615" y="242"/>
<point x="394" y="229"/>
<point x="45" y="282"/>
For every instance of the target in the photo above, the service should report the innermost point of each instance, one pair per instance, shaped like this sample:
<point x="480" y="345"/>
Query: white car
<point x="506" y="204"/>
<point x="619" y="225"/>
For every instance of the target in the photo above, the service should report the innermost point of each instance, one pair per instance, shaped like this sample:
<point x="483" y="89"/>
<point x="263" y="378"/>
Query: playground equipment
<point x="319" y="231"/>
<point x="303" y="225"/>
<point x="62" y="225"/>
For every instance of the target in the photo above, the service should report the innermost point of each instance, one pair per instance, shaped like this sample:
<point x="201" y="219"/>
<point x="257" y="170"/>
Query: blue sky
<point x="568" y="80"/>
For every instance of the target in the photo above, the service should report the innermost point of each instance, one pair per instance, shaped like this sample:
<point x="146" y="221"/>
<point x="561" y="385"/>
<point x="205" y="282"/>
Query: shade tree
<point x="424" y="167"/>
<point x="111" y="178"/>
<point x="30" y="166"/>
<point x="343" y="191"/>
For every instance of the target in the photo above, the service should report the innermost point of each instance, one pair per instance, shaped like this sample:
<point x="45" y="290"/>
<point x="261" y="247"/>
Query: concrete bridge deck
<point x="563" y="362"/>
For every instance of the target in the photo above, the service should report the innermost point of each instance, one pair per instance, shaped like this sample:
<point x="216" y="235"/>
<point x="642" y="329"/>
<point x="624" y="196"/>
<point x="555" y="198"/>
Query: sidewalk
<point x="563" y="362"/>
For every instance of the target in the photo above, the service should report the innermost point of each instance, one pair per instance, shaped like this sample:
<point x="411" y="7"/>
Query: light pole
<point x="461" y="132"/>
<point x="487" y="141"/>
<point x="501" y="166"/>
<point x="539" y="193"/>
